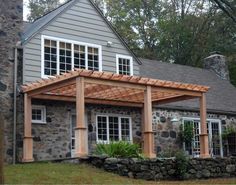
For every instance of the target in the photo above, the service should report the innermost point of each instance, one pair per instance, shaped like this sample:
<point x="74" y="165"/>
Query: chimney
<point x="218" y="64"/>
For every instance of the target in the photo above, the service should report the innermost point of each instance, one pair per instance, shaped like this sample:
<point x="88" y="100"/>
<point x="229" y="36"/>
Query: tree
<point x="177" y="31"/>
<point x="228" y="7"/>
<point x="39" y="7"/>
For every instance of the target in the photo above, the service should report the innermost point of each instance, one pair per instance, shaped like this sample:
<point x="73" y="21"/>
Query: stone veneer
<point x="52" y="140"/>
<point x="11" y="17"/>
<point x="166" y="132"/>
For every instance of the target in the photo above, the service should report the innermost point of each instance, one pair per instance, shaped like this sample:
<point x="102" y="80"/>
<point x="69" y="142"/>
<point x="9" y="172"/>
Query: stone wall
<point x="166" y="132"/>
<point x="11" y="17"/>
<point x="53" y="139"/>
<point x="166" y="169"/>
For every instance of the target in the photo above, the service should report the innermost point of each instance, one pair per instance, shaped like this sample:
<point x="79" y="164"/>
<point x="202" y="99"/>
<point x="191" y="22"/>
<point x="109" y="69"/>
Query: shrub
<point x="119" y="149"/>
<point x="181" y="164"/>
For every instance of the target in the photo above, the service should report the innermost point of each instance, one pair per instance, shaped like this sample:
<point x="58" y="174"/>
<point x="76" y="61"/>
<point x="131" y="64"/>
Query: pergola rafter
<point x="84" y="86"/>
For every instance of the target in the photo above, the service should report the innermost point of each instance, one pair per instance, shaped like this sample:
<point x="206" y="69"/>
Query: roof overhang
<point x="110" y="88"/>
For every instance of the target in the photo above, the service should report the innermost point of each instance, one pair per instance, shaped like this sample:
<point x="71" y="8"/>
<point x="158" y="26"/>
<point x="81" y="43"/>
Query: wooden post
<point x="204" y="145"/>
<point x="148" y="133"/>
<point x="81" y="135"/>
<point x="28" y="139"/>
<point x="1" y="149"/>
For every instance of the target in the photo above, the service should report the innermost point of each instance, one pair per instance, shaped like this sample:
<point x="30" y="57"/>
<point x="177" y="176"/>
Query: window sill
<point x="39" y="122"/>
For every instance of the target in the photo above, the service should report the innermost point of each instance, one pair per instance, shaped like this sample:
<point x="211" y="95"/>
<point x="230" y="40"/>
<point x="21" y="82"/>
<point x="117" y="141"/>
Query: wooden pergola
<point x="84" y="86"/>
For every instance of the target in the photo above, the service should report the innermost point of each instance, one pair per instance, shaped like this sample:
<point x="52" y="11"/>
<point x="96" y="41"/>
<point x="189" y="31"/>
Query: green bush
<point x="119" y="149"/>
<point x="181" y="164"/>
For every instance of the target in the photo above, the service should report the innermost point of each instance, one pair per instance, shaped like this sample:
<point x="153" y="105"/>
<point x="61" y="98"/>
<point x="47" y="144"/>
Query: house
<point x="82" y="85"/>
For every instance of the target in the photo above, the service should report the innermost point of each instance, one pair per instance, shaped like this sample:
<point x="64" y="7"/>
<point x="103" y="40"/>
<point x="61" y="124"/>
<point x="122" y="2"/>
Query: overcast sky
<point x="25" y="10"/>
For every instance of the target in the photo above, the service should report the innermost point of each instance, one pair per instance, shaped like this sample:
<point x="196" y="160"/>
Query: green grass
<point x="56" y="173"/>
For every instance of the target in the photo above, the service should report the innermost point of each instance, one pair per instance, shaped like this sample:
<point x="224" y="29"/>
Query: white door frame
<point x="209" y="121"/>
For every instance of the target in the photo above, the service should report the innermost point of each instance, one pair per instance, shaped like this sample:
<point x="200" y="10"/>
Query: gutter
<point x="18" y="46"/>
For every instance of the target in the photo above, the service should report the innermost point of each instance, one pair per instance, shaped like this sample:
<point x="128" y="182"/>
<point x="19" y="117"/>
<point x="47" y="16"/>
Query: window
<point x="38" y="114"/>
<point x="124" y="65"/>
<point x="60" y="56"/>
<point x="65" y="57"/>
<point x="214" y="134"/>
<point x="113" y="128"/>
<point x="50" y="57"/>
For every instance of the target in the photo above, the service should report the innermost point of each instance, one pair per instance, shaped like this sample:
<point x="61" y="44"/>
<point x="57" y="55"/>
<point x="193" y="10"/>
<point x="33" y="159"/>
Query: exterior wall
<point x="53" y="139"/>
<point x="10" y="29"/>
<point x="166" y="132"/>
<point x="85" y="25"/>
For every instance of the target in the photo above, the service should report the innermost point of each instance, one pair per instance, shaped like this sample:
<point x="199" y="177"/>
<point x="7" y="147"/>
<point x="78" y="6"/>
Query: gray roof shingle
<point x="220" y="98"/>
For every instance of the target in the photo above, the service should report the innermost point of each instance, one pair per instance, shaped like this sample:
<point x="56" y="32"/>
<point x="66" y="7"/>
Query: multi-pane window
<point x="61" y="56"/>
<point x="113" y="128"/>
<point x="38" y="114"/>
<point x="125" y="129"/>
<point x="79" y="56"/>
<point x="214" y="134"/>
<point x="93" y="63"/>
<point x="65" y="57"/>
<point x="124" y="65"/>
<point x="50" y="57"/>
<point x="102" y="128"/>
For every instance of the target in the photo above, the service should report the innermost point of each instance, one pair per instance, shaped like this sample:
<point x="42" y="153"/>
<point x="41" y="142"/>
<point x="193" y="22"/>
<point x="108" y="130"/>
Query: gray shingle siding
<point x="82" y="23"/>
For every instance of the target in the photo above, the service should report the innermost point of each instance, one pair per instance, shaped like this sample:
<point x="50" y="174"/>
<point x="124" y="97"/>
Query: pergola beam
<point x="177" y="91"/>
<point x="173" y="99"/>
<point x="89" y="100"/>
<point x="115" y="83"/>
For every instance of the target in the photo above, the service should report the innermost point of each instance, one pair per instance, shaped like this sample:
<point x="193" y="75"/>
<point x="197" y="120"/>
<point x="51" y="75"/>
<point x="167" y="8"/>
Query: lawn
<point x="58" y="173"/>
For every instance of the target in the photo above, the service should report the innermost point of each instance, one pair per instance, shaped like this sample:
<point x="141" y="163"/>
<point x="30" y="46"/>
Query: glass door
<point x="72" y="131"/>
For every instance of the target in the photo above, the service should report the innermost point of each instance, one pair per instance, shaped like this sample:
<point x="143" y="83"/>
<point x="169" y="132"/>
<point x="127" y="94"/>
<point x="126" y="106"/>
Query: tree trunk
<point x="1" y="149"/>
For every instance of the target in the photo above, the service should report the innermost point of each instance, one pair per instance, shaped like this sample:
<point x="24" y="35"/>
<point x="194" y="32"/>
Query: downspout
<point x="18" y="46"/>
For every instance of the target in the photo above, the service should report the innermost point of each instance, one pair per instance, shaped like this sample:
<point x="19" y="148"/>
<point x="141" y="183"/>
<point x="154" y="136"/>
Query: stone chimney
<point x="11" y="21"/>
<point x="218" y="64"/>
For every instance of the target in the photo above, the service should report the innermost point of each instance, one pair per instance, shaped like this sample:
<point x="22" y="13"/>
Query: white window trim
<point x="210" y="133"/>
<point x="119" y="126"/>
<point x="72" y="42"/>
<point x="43" y="109"/>
<point x="125" y="57"/>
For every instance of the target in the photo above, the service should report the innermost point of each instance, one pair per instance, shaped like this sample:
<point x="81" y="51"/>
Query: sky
<point x="25" y="10"/>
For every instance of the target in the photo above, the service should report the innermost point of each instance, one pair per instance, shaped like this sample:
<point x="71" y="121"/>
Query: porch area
<point x="93" y="87"/>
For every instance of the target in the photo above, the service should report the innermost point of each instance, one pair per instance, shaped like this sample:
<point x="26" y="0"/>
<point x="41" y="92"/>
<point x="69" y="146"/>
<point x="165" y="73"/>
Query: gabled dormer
<point x="75" y="35"/>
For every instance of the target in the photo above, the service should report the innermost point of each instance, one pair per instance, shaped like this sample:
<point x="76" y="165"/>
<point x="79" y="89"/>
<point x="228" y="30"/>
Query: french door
<point x="214" y="134"/>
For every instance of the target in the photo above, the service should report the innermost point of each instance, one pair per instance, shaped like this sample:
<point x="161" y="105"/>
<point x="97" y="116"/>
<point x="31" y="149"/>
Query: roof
<point x="31" y="29"/>
<point x="220" y="98"/>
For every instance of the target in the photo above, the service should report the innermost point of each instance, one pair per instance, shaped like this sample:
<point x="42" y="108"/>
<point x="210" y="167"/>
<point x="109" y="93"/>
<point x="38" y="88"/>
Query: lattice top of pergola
<point x="110" y="86"/>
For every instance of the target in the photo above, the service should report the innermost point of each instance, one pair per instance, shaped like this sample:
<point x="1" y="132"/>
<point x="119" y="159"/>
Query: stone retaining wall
<point x="166" y="169"/>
